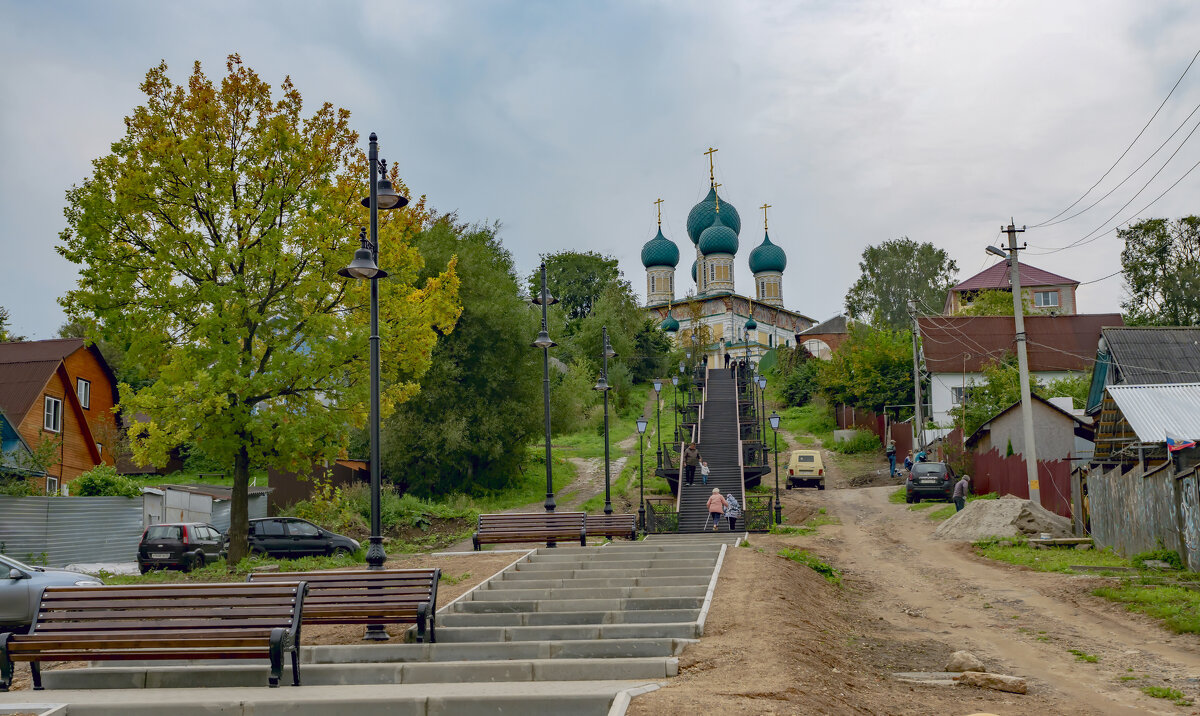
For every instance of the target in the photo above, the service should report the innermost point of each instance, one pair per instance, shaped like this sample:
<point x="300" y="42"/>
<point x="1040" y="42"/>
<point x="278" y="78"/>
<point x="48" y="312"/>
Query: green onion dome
<point x="660" y="251"/>
<point x="767" y="257"/>
<point x="693" y="272"/>
<point x="669" y="324"/>
<point x="702" y="215"/>
<point x="718" y="238"/>
<point x="751" y="324"/>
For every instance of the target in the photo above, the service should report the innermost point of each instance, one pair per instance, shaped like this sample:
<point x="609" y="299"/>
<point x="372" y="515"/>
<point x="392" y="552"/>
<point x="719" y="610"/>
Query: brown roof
<point x="957" y="344"/>
<point x="36" y="351"/>
<point x="21" y="384"/>
<point x="997" y="275"/>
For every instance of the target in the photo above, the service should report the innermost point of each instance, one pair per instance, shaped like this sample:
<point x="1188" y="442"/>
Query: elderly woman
<point x="732" y="511"/>
<point x="716" y="507"/>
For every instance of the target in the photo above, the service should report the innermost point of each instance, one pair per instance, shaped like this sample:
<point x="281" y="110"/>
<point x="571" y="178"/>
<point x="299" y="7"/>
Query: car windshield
<point x="14" y="563"/>
<point x="163" y="532"/>
<point x="805" y="458"/>
<point x="929" y="468"/>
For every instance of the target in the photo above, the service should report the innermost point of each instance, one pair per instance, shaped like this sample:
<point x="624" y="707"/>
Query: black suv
<point x="932" y="480"/>
<point x="292" y="537"/>
<point x="179" y="545"/>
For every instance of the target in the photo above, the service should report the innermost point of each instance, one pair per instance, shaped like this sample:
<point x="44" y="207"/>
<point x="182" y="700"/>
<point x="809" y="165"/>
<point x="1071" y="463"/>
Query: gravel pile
<point x="1009" y="516"/>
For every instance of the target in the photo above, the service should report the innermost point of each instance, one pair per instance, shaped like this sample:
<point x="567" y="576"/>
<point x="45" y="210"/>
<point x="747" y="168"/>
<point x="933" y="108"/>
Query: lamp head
<point x="657" y="385"/>
<point x="996" y="251"/>
<point x="762" y="383"/>
<point x="363" y="266"/>
<point x="774" y="419"/>
<point x="681" y="366"/>
<point x="675" y="380"/>
<point x="641" y="425"/>
<point x="386" y="196"/>
<point x="550" y="300"/>
<point x="602" y="384"/>
<point x="543" y="340"/>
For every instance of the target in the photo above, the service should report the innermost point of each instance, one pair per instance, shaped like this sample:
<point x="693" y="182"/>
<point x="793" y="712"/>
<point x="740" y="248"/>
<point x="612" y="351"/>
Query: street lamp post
<point x="658" y="419"/>
<point x="641" y="430"/>
<point x="775" y="429"/>
<point x="366" y="266"/>
<point x="544" y="299"/>
<point x="762" y="405"/>
<point x="675" y="401"/>
<point x="603" y="386"/>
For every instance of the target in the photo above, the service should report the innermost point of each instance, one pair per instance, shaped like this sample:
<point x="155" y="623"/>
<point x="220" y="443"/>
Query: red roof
<point x="996" y="276"/>
<point x="958" y="344"/>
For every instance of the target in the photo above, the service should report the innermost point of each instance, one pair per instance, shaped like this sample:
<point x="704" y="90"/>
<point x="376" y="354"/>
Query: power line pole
<point x="1031" y="465"/>
<point x="918" y="421"/>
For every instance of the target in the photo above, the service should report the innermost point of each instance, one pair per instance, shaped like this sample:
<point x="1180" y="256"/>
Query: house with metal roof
<point x="15" y="456"/>
<point x="1135" y="421"/>
<point x="957" y="348"/>
<point x="1144" y="355"/>
<point x="1042" y="290"/>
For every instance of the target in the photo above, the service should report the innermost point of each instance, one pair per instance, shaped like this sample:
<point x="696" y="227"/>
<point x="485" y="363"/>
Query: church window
<point x="722" y="273"/>
<point x="770" y="289"/>
<point x="652" y="288"/>
<point x="712" y="272"/>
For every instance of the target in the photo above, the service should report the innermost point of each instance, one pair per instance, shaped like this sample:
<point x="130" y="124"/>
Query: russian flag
<point x="1175" y="444"/>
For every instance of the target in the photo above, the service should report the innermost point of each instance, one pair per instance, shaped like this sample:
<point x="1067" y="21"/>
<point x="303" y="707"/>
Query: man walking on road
<point x="691" y="458"/>
<point x="960" y="492"/>
<point x="891" y="456"/>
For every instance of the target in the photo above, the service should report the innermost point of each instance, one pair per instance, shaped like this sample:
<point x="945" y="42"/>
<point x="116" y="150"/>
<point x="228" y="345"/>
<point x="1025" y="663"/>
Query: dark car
<point x="21" y="587"/>
<point x="293" y="537"/>
<point x="180" y="545"/>
<point x="929" y="480"/>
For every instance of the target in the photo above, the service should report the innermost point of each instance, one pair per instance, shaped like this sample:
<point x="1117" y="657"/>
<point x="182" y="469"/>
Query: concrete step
<point x="568" y="632"/>
<point x="637" y="616"/>
<point x="576" y="605"/>
<point x="583" y="564"/>
<point x="515" y="575"/>
<point x="700" y="580"/>
<point x="682" y="552"/>
<point x="443" y="672"/>
<point x="530" y="595"/>
<point x="577" y="698"/>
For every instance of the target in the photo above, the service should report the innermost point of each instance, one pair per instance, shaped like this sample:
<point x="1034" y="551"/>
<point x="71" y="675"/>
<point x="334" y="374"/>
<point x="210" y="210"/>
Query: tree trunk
<point x="239" y="513"/>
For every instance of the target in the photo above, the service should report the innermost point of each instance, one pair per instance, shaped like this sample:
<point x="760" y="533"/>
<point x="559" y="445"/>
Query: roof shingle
<point x="957" y="344"/>
<point x="996" y="277"/>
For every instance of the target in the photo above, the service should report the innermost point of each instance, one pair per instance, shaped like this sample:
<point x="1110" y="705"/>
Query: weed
<point x="1178" y="607"/>
<point x="791" y="530"/>
<point x="987" y="606"/>
<point x="1014" y="551"/>
<point x="1127" y="678"/>
<point x="815" y="563"/>
<point x="821" y="511"/>
<point x="897" y="496"/>
<point x="1169" y="556"/>
<point x="449" y="579"/>
<point x="1042" y="638"/>
<point x="1164" y="692"/>
<point x="1084" y="656"/>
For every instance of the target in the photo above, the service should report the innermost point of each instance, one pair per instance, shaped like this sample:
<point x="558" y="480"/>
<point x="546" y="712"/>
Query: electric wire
<point x="1135" y="139"/>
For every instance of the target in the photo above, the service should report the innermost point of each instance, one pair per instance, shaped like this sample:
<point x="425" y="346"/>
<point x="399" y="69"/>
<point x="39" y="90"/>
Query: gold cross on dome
<point x="716" y="199"/>
<point x="659" y="202"/>
<point x="710" y="153"/>
<point x="764" y="208"/>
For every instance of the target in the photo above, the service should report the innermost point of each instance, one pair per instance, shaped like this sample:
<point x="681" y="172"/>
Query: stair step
<point x="510" y="594"/>
<point x="560" y="632"/>
<point x="700" y="580"/>
<point x="642" y="616"/>
<point x="583" y="605"/>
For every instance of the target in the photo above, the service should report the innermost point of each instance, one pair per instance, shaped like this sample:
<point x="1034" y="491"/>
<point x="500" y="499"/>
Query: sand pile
<point x="1010" y="516"/>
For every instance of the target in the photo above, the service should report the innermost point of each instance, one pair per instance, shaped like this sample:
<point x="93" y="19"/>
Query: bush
<point x="1162" y="554"/>
<point x="103" y="481"/>
<point x="863" y="441"/>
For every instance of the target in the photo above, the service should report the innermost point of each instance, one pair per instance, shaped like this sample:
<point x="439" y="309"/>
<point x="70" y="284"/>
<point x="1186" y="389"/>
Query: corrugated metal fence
<point x="58" y="531"/>
<point x="1006" y="475"/>
<point x="1133" y="512"/>
<point x="256" y="507"/>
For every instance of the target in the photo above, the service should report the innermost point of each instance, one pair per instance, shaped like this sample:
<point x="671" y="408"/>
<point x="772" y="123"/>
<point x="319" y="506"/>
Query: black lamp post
<point x="603" y="386"/>
<point x="775" y="429"/>
<point x="543" y="341"/>
<point x="658" y="419"/>
<point x="365" y="266"/>
<point x="675" y="401"/>
<point x="762" y="405"/>
<point x="641" y="429"/>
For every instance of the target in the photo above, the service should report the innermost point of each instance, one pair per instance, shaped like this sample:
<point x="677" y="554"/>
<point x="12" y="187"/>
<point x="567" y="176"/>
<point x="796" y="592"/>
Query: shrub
<point x="863" y="441"/>
<point x="1162" y="554"/>
<point x="103" y="481"/>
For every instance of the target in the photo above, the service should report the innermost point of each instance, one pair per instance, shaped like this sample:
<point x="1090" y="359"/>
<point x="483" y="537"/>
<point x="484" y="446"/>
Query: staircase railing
<point x="756" y="513"/>
<point x="683" y="444"/>
<point x="661" y="516"/>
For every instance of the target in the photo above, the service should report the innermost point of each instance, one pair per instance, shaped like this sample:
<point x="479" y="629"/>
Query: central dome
<point x="702" y="215"/>
<point x="767" y="257"/>
<point x="718" y="238"/>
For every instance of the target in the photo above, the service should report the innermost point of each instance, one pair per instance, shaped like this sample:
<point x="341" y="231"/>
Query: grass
<point x="1081" y="655"/>
<point x="809" y="527"/>
<point x="814" y="562"/>
<point x="1015" y="551"/>
<point x="812" y="419"/>
<point x="1164" y="692"/>
<point x="897" y="496"/>
<point x="1178" y="607"/>
<point x="218" y="571"/>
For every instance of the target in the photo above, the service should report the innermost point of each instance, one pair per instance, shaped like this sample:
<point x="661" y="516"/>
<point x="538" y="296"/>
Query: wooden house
<point x="62" y="391"/>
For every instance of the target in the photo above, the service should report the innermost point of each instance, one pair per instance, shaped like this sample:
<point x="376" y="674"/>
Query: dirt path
<point x="1018" y="621"/>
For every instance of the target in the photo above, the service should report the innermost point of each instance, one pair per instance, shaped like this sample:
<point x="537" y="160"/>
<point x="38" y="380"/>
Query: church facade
<point x="712" y="319"/>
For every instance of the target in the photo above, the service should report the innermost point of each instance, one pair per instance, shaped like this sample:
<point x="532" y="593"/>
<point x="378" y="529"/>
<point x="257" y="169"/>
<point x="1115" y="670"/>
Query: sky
<point x="565" y="120"/>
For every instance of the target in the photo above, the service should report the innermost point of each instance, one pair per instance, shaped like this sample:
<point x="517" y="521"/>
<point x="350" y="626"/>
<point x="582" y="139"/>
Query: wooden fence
<point x="994" y="472"/>
<point x="849" y="417"/>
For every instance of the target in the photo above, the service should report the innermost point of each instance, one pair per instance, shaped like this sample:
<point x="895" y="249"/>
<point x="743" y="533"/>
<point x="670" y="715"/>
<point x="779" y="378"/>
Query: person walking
<point x="732" y="511"/>
<point x="726" y="360"/>
<point x="961" y="488"/>
<point x="704" y="472"/>
<point x="691" y="458"/>
<point x="716" y="507"/>
<point x="891" y="456"/>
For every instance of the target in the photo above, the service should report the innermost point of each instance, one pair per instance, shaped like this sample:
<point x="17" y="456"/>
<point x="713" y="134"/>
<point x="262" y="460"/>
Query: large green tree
<point x="6" y="334"/>
<point x="1161" y="263"/>
<point x="208" y="241"/>
<point x="894" y="273"/>
<point x="481" y="401"/>
<point x="872" y="369"/>
<point x="577" y="279"/>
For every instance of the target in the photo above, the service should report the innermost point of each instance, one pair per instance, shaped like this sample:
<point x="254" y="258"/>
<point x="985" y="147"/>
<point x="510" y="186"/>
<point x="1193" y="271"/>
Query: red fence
<point x="1006" y="475"/>
<point x="848" y="418"/>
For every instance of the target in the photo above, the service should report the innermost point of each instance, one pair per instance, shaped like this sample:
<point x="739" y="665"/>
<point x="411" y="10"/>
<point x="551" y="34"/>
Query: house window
<point x="52" y="415"/>
<point x="51" y="485"/>
<point x="83" y="388"/>
<point x="99" y="449"/>
<point x="959" y="395"/>
<point x="1045" y="299"/>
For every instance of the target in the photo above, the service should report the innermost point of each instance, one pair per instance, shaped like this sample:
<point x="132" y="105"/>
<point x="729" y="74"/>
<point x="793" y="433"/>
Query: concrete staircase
<point x="574" y="627"/>
<point x="719" y="446"/>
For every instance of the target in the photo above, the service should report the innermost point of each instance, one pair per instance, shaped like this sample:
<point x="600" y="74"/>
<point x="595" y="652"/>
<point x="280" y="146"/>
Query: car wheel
<point x="908" y="499"/>
<point x="789" y="486"/>
<point x="186" y="566"/>
<point x="916" y="500"/>
<point x="143" y="568"/>
<point x="821" y="486"/>
<point x="340" y="551"/>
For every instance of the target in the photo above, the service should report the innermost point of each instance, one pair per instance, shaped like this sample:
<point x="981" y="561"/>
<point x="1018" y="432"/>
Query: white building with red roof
<point x="1043" y="291"/>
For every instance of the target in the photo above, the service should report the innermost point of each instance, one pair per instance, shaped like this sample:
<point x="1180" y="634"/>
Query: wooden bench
<point x="161" y="621"/>
<point x="612" y="526"/>
<point x="531" y="527"/>
<point x="384" y="596"/>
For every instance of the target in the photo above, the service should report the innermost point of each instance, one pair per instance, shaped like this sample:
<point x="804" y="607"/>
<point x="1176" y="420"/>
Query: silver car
<point x="21" y="589"/>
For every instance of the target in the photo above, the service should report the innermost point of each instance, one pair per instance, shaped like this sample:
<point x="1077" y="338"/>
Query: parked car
<point x="806" y="469"/>
<point x="929" y="480"/>
<point x="180" y="545"/>
<point x="294" y="537"/>
<point x="21" y="588"/>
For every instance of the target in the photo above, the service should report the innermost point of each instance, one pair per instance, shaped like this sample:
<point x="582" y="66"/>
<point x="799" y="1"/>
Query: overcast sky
<point x="564" y="120"/>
